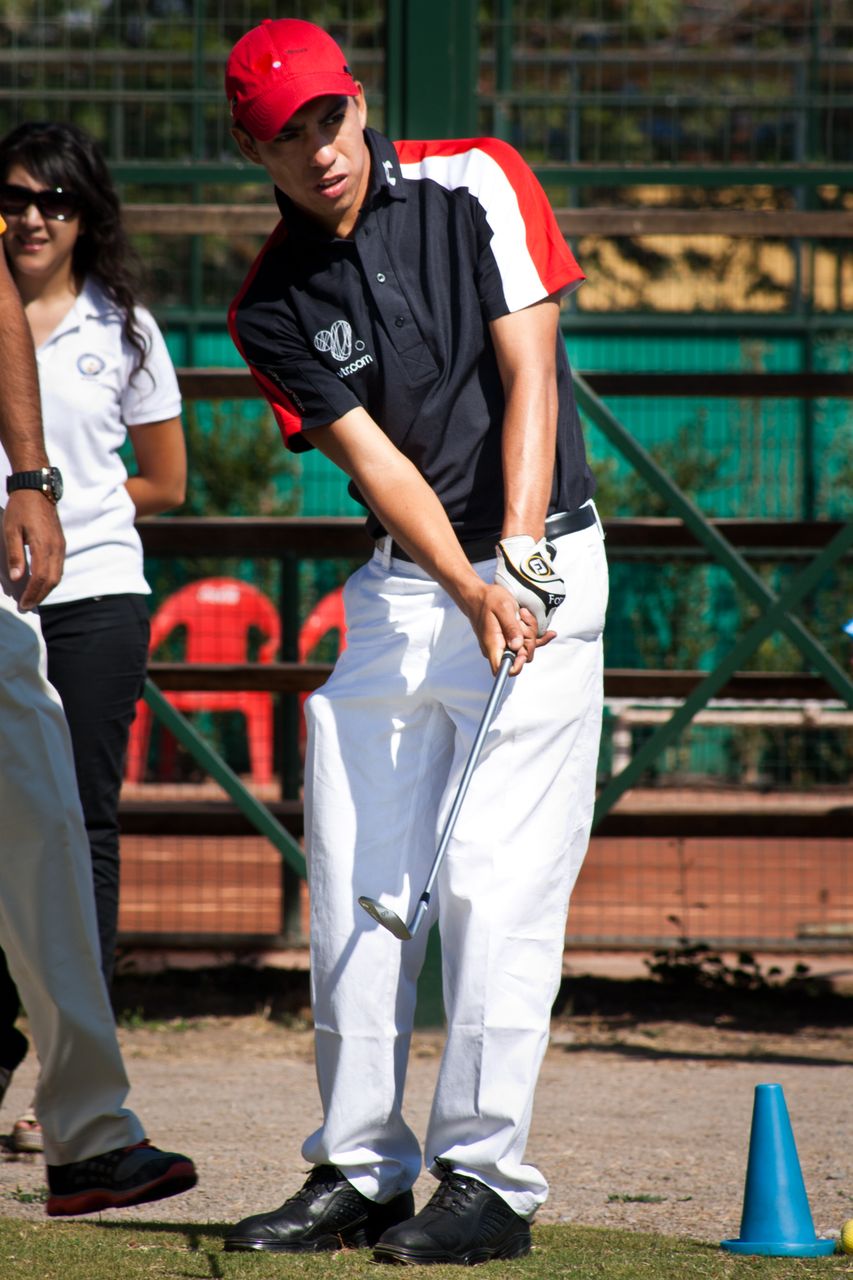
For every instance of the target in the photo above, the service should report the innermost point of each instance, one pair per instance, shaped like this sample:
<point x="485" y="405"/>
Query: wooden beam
<point x="200" y="219"/>
<point x="267" y="677"/>
<point x="200" y="818"/>
<point x="736" y="386"/>
<point x="746" y="686"/>
<point x="260" y="219"/>
<point x="619" y="682"/>
<point x="345" y="537"/>
<point x="632" y="536"/>
<point x="305" y="537"/>
<point x="710" y="823"/>
<point x="238" y="384"/>
<point x="219" y="818"/>
<point x="780" y="224"/>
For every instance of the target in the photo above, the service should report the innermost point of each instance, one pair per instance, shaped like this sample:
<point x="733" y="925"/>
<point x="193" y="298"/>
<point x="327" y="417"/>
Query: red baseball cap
<point x="276" y="68"/>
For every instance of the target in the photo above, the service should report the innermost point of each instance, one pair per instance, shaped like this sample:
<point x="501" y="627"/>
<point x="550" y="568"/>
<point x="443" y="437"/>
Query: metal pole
<point x="431" y="69"/>
<point x="288" y="725"/>
<point x="502" y="123"/>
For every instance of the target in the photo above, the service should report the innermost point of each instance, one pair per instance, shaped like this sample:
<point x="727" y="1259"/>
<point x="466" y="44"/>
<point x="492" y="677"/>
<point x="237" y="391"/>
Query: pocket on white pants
<point x="582" y="564"/>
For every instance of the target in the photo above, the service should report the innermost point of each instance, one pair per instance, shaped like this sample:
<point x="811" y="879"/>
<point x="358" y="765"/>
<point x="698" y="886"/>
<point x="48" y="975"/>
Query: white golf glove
<point x="525" y="568"/>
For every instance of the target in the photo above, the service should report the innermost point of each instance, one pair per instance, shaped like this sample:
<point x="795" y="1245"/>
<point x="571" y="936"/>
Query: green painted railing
<point x="203" y="753"/>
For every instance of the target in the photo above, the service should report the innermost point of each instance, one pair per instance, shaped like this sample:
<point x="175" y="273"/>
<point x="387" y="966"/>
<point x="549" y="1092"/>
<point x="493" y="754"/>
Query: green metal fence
<point x="658" y="107"/>
<point x="651" y="105"/>
<point x="662" y="103"/>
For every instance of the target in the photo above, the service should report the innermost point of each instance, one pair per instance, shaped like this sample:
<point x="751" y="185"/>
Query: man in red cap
<point x="403" y="318"/>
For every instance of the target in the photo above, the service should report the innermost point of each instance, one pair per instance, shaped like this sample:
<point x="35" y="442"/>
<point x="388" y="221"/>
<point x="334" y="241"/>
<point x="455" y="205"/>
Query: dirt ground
<point x="642" y="1120"/>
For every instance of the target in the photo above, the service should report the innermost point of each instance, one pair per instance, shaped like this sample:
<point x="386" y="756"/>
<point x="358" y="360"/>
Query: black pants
<point x="97" y="653"/>
<point x="13" y="1043"/>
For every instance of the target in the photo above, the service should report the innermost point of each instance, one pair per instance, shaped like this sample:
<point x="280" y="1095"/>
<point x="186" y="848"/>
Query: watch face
<point x="55" y="483"/>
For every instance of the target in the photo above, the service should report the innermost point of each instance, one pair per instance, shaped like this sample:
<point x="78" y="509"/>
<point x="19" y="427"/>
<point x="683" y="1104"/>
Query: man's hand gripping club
<point x="526" y="570"/>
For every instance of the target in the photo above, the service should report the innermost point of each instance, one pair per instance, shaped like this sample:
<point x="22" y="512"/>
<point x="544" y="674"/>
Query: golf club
<point x="384" y="915"/>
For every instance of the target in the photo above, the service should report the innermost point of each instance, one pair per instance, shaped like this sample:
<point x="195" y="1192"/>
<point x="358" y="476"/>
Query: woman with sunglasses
<point x="104" y="375"/>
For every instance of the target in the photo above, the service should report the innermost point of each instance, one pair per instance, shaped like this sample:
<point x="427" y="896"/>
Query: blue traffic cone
<point x="776" y="1217"/>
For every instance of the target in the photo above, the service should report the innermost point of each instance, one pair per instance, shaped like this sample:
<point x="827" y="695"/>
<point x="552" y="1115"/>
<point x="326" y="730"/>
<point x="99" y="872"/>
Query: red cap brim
<point x="267" y="114"/>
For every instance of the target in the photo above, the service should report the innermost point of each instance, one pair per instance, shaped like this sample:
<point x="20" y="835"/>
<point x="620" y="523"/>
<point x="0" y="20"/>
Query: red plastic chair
<point x="327" y="615"/>
<point x="218" y="614"/>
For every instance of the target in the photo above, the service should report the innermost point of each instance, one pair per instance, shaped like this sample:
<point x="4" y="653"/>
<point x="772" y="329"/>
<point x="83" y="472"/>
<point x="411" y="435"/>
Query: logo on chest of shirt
<point x="337" y="341"/>
<point x="90" y="365"/>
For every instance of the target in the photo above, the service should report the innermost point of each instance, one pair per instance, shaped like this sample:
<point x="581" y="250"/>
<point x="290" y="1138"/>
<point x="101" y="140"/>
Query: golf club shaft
<point x="506" y="662"/>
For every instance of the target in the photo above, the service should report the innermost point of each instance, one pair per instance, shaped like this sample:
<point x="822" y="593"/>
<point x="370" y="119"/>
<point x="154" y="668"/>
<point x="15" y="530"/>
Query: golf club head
<point x="386" y="917"/>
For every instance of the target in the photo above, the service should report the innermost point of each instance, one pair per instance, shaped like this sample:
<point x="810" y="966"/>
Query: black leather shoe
<point x="328" y="1213"/>
<point x="465" y="1222"/>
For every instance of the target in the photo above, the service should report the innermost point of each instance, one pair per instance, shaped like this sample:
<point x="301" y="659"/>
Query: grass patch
<point x="137" y="1020"/>
<point x="22" y="1196"/>
<point x="108" y="1249"/>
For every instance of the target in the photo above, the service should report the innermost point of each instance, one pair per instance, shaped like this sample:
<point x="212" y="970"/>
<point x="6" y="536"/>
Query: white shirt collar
<point x="91" y="303"/>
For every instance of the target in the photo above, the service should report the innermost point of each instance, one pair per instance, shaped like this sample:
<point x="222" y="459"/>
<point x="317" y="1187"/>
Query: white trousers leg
<point x="389" y="736"/>
<point x="47" y="909"/>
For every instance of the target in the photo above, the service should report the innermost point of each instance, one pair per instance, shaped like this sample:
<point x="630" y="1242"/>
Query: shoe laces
<point x="322" y="1175"/>
<point x="455" y="1191"/>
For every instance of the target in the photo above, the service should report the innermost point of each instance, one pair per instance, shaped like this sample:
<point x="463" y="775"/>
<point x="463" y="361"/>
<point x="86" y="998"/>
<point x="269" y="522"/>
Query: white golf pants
<point x="48" y="928"/>
<point x="389" y="735"/>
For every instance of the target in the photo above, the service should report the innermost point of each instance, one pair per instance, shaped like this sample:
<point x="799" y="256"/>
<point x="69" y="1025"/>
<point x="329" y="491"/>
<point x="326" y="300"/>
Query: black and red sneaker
<point x="117" y="1179"/>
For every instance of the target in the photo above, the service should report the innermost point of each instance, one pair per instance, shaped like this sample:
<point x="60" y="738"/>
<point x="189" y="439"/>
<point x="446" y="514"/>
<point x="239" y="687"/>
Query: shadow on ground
<point x="784" y="1009"/>
<point x="232" y="990"/>
<point x="283" y="996"/>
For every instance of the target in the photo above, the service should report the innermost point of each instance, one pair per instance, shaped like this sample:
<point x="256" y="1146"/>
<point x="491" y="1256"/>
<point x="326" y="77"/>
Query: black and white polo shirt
<point x="395" y="318"/>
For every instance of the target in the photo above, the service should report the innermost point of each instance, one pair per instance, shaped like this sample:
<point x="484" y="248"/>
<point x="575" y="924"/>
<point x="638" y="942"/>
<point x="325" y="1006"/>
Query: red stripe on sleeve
<point x="551" y="257"/>
<point x="286" y="415"/>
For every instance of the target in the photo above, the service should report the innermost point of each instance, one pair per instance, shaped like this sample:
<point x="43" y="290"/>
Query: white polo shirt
<point x="88" y="401"/>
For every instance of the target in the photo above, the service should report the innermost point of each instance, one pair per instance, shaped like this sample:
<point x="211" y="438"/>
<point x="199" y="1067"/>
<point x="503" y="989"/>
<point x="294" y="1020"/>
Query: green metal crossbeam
<point x="258" y="814"/>
<point x="776" y="612"/>
<point x="749" y="642"/>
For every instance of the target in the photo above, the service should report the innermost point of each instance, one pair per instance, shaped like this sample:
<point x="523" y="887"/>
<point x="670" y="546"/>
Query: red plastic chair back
<point x="327" y="615"/>
<point x="218" y="615"/>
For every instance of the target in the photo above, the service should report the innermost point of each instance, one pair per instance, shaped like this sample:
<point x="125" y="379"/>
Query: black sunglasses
<point x="51" y="202"/>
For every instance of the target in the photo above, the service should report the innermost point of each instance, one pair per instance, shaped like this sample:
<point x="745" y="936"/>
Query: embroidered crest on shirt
<point x="337" y="340"/>
<point x="90" y="365"/>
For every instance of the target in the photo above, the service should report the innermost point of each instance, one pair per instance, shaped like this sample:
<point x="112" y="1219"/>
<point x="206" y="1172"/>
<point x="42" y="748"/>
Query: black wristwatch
<point x="48" y="480"/>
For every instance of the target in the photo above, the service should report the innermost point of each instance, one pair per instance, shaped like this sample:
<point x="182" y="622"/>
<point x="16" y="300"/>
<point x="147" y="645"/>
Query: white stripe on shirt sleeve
<point x="489" y="185"/>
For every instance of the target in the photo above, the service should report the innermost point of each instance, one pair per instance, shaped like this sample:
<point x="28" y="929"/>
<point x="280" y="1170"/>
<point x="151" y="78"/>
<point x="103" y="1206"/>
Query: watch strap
<point x="45" y="479"/>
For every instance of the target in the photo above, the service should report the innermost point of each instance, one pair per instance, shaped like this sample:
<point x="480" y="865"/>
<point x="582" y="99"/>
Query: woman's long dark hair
<point x="61" y="155"/>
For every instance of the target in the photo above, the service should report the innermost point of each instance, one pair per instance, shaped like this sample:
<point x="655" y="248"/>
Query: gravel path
<point x="644" y="1126"/>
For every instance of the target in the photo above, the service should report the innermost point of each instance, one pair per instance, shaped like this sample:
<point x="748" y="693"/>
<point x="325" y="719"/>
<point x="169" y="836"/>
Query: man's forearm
<point x="400" y="497"/>
<point x="529" y="447"/>
<point x="525" y="347"/>
<point x="30" y="519"/>
<point x="411" y="512"/>
<point x="20" y="409"/>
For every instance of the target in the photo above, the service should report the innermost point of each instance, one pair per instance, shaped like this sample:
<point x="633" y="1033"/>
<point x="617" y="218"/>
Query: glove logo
<point x="537" y="566"/>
